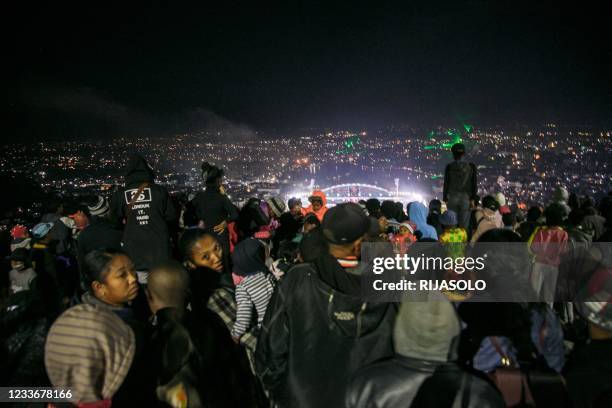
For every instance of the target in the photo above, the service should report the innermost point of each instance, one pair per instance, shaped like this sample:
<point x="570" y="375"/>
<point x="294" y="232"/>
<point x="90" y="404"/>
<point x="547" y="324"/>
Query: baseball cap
<point x="347" y="223"/>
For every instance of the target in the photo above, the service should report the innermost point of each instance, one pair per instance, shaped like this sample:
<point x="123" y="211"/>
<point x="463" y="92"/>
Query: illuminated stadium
<point x="353" y="192"/>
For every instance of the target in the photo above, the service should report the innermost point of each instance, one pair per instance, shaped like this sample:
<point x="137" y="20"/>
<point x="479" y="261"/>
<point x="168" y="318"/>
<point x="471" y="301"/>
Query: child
<point x="452" y="233"/>
<point x="254" y="289"/>
<point x="405" y="237"/>
<point x="454" y="240"/>
<point x="21" y="274"/>
<point x="453" y="237"/>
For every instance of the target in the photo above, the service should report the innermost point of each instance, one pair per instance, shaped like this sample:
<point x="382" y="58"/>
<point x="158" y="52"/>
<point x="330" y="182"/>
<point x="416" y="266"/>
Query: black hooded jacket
<point x="315" y="335"/>
<point x="146" y="237"/>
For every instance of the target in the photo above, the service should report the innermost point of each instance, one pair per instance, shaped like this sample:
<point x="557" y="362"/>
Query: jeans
<point x="460" y="204"/>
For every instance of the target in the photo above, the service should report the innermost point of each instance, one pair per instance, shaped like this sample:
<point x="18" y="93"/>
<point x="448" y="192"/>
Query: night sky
<point x="102" y="72"/>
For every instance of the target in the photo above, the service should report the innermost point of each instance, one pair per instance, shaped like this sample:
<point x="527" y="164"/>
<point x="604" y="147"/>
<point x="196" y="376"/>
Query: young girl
<point x="254" y="289"/>
<point x="405" y="237"/>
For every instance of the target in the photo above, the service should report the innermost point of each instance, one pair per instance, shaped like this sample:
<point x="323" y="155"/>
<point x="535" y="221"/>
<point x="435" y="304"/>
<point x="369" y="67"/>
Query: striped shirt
<point x="254" y="290"/>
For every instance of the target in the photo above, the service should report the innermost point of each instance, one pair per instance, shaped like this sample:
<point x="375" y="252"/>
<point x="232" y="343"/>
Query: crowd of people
<point x="132" y="300"/>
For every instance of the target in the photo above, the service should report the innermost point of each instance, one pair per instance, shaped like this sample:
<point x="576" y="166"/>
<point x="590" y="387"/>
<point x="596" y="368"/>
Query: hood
<point x="249" y="257"/>
<point x="337" y="277"/>
<point x="561" y="195"/>
<point x="319" y="193"/>
<point x="427" y="330"/>
<point x="138" y="170"/>
<point x="489" y="213"/>
<point x="418" y="213"/>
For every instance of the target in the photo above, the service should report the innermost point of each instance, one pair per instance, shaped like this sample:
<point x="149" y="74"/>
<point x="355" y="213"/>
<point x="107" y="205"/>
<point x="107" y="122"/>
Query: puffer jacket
<point x="405" y="382"/>
<point x="314" y="336"/>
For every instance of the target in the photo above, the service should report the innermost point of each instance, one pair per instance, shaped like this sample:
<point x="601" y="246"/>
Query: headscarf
<point x="89" y="350"/>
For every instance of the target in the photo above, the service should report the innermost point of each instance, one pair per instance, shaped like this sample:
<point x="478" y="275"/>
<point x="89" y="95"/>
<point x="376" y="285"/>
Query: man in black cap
<point x="318" y="330"/>
<point x="460" y="185"/>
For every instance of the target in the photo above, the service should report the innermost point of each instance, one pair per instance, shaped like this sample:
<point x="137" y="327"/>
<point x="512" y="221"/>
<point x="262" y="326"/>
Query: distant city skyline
<point x="527" y="166"/>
